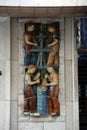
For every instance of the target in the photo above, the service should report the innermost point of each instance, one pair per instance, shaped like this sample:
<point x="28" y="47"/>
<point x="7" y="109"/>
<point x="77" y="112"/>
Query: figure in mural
<point x="30" y="42"/>
<point x="53" y="43"/>
<point x="53" y="90"/>
<point x="29" y="96"/>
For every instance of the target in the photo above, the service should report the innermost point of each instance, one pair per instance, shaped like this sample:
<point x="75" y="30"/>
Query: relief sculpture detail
<point x="41" y="63"/>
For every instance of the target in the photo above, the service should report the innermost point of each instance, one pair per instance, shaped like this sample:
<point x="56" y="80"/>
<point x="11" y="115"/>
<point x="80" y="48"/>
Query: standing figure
<point x="53" y="103"/>
<point x="53" y="43"/>
<point x="30" y="42"/>
<point x="29" y="96"/>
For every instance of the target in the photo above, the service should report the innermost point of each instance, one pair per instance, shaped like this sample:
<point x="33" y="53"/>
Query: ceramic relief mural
<point x="41" y="61"/>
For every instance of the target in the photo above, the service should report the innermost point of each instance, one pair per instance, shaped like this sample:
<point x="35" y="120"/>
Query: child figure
<point x="29" y="102"/>
<point x="53" y="103"/>
<point x="30" y="42"/>
<point x="53" y="43"/>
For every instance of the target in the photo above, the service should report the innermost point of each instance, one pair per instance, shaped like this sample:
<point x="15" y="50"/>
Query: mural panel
<point x="41" y="61"/>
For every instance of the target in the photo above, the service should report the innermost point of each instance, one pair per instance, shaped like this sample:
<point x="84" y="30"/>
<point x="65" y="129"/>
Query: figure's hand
<point x="38" y="75"/>
<point x="46" y="76"/>
<point x="48" y="45"/>
<point x="35" y="44"/>
<point x="38" y="81"/>
<point x="44" y="83"/>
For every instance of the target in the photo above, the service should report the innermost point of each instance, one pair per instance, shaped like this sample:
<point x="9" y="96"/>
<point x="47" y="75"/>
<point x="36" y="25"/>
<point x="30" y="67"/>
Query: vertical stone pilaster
<point x="5" y="78"/>
<point x="68" y="74"/>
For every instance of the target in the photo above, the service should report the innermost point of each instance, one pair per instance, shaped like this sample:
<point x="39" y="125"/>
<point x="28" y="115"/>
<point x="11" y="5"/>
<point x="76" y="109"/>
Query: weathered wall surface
<point x="5" y="78"/>
<point x="14" y="74"/>
<point x="43" y="3"/>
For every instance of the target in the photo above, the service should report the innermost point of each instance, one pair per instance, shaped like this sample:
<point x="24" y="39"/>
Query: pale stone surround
<point x="45" y="3"/>
<point x="5" y="68"/>
<point x="22" y="119"/>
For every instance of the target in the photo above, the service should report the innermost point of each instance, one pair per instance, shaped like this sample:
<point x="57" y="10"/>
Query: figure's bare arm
<point x="52" y="84"/>
<point x="37" y="76"/>
<point x="26" y="37"/>
<point x="55" y="81"/>
<point x="53" y="43"/>
<point x="30" y="82"/>
<point x="46" y="76"/>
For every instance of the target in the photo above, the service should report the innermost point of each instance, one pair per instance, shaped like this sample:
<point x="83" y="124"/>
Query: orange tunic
<point x="30" y="38"/>
<point x="54" y="78"/>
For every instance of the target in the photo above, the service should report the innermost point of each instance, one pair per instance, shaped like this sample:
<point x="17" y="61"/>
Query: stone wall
<point x="65" y="120"/>
<point x="45" y="3"/>
<point x="11" y="91"/>
<point x="5" y="78"/>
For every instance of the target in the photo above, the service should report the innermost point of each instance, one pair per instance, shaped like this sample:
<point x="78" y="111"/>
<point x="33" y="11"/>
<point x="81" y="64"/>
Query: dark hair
<point x="28" y="24"/>
<point x="52" y="25"/>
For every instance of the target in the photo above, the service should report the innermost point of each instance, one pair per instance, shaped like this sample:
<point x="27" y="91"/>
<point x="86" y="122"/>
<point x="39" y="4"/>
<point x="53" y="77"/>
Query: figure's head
<point x="30" y="27"/>
<point x="32" y="69"/>
<point x="52" y="28"/>
<point x="50" y="69"/>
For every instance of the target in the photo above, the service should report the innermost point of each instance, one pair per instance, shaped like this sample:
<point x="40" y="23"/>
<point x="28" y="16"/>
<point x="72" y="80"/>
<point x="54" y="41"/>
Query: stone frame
<point x="21" y="75"/>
